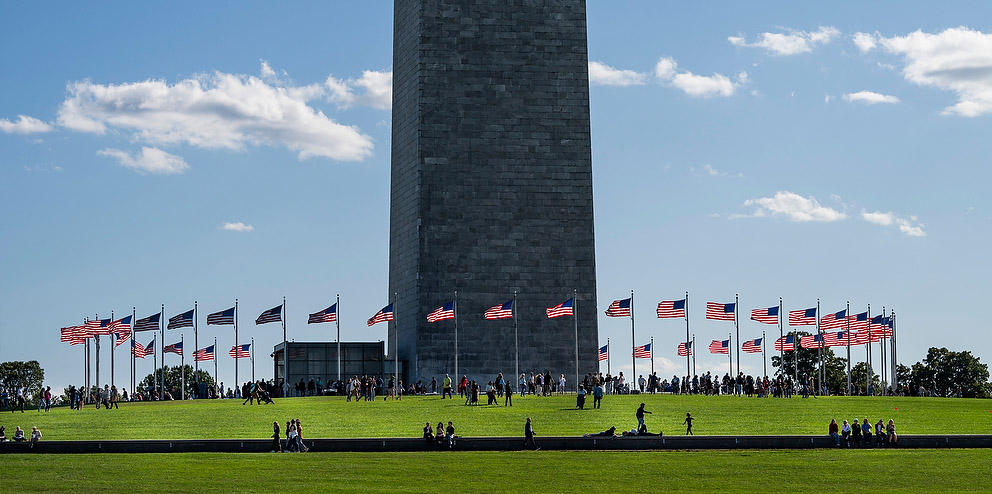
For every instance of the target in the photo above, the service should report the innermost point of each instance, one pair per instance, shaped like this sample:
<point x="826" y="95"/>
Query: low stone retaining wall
<point x="484" y="444"/>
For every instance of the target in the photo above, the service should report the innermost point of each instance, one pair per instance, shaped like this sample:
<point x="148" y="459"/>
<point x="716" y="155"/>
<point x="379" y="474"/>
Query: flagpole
<point x="285" y="343"/>
<point x="730" y="339"/>
<point x="113" y="346"/>
<point x="155" y="363"/>
<point x="868" y="354"/>
<point x="608" y="356"/>
<point x="819" y="350"/>
<point x="252" y="348"/>
<point x="694" y="357"/>
<point x="237" y="384"/>
<point x="86" y="363"/>
<point x="633" y="341"/>
<point x="396" y="341"/>
<point x="893" y="357"/>
<point x="454" y="310"/>
<point x="196" y="346"/>
<point x="575" y="319"/>
<point x="97" y="317"/>
<point x="161" y="348"/>
<point x="182" y="363"/>
<point x="881" y="355"/>
<point x="652" y="355"/>
<point x="337" y="320"/>
<point x="217" y="389"/>
<point x="847" y="319"/>
<point x="134" y="313"/>
<point x="737" y="325"/>
<point x="516" y="344"/>
<point x="781" y="334"/>
<point x="685" y="310"/>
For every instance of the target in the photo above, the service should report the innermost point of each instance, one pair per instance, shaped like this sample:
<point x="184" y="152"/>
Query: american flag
<point x="881" y="327"/>
<point x="786" y="343"/>
<point x="834" y="321"/>
<point x="859" y="338"/>
<point x="222" y="318"/>
<point x="446" y="311"/>
<point x="720" y="312"/>
<point x="329" y="314"/>
<point x="835" y="338"/>
<point x="685" y="349"/>
<point x="184" y="320"/>
<point x="74" y="335"/>
<point x="272" y="315"/>
<point x="121" y="337"/>
<point x="240" y="351"/>
<point x="811" y="341"/>
<point x="767" y="316"/>
<point x="176" y="348"/>
<point x="67" y="334"/>
<point x="671" y="308"/>
<point x="562" y="309"/>
<point x="717" y="346"/>
<point x="502" y="311"/>
<point x="384" y="314"/>
<point x="140" y="351"/>
<point x="619" y="308"/>
<point x="802" y="317"/>
<point x="91" y="326"/>
<point x="101" y="327"/>
<point x="604" y="352"/>
<point x="202" y="354"/>
<point x="149" y="323"/>
<point x="859" y="322"/>
<point x="122" y="324"/>
<point x="752" y="346"/>
<point x="643" y="351"/>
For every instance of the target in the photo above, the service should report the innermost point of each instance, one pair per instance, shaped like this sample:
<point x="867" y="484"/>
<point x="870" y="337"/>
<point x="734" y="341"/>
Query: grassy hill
<point x="333" y="417"/>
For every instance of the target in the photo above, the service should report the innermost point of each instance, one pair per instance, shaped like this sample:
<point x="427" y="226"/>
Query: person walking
<point x="276" y="445"/>
<point x="597" y="395"/>
<point x="687" y="423"/>
<point x="834" y="429"/>
<point x="640" y="417"/>
<point x="507" y="394"/>
<point x="446" y="387"/>
<point x="529" y="436"/>
<point x="48" y="398"/>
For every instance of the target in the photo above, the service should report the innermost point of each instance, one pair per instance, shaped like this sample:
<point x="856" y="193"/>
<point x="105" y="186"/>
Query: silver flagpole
<point x="737" y="325"/>
<point x="134" y="314"/>
<point x="881" y="354"/>
<point x="819" y="350"/>
<point x="608" y="356"/>
<point x="575" y="319"/>
<point x="893" y="357"/>
<point x="694" y="358"/>
<point x="113" y="346"/>
<point x="182" y="363"/>
<point x="685" y="308"/>
<point x="764" y="357"/>
<point x="847" y="318"/>
<point x="155" y="363"/>
<point x="633" y="342"/>
<point x="454" y="308"/>
<point x="868" y="354"/>
<point x="516" y="344"/>
<point x="337" y="320"/>
<point x="161" y="349"/>
<point x="652" y="357"/>
<point x="237" y="384"/>
<point x="196" y="346"/>
<point x="97" y="317"/>
<point x="396" y="341"/>
<point x="216" y="388"/>
<point x="252" y="348"/>
<point x="781" y="334"/>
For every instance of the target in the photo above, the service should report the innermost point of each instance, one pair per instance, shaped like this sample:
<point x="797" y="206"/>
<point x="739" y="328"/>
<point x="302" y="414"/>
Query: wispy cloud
<point x="790" y="42"/>
<point x="909" y="226"/>
<point x="373" y="88"/>
<point x="793" y="207"/>
<point x="870" y="98"/>
<point x="667" y="71"/>
<point x="24" y="125"/>
<point x="149" y="160"/>
<point x="237" y="227"/>
<point x="605" y="75"/>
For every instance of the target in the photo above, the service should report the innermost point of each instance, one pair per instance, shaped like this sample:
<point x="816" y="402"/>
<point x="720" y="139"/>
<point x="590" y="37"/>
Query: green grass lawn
<point x="333" y="417"/>
<point x="594" y="472"/>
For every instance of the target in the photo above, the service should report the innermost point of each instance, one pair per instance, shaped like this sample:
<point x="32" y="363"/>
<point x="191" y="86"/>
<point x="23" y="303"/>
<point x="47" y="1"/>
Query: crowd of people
<point x="19" y="435"/>
<point x="442" y="436"/>
<point x="294" y="438"/>
<point x="860" y="435"/>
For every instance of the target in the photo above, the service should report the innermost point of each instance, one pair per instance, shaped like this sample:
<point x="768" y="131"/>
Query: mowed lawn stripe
<point x="333" y="417"/>
<point x="552" y="471"/>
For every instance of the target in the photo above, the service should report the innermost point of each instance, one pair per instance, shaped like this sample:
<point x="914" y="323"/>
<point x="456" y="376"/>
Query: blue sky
<point x="768" y="151"/>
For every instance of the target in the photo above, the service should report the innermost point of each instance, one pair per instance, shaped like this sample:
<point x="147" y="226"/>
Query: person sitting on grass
<point x="439" y="434"/>
<point x="834" y="432"/>
<point x="856" y="433"/>
<point x="19" y="435"/>
<point x="845" y="434"/>
<point x="35" y="436"/>
<point x="866" y="432"/>
<point x="428" y="434"/>
<point x="450" y="433"/>
<point x="611" y="432"/>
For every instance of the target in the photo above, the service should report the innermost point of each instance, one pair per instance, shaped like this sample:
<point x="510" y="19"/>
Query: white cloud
<point x="150" y="160"/>
<point x="216" y="111"/>
<point x="237" y="227"/>
<point x="794" y="207"/>
<point x="956" y="59"/>
<point x="376" y="90"/>
<point x="604" y="75"/>
<point x="666" y="70"/>
<point x="267" y="72"/>
<point x="870" y="97"/>
<point x="792" y="42"/>
<point x="909" y="226"/>
<point x="864" y="41"/>
<point x="24" y="125"/>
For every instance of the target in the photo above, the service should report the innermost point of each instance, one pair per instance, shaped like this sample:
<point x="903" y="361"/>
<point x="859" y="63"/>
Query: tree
<point x="173" y="380"/>
<point x="834" y="367"/>
<point x="948" y="373"/>
<point x="28" y="375"/>
<point x="859" y="374"/>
